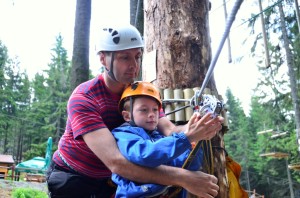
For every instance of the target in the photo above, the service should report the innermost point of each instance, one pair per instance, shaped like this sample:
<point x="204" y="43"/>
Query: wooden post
<point x="267" y="61"/>
<point x="169" y="94"/>
<point x="188" y="94"/>
<point x="179" y="115"/>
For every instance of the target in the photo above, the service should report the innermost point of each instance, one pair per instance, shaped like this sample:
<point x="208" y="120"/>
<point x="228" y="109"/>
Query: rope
<point x="206" y="146"/>
<point x="209" y="161"/>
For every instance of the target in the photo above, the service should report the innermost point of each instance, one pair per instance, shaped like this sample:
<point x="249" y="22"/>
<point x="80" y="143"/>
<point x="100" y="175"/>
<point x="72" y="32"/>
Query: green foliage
<point x="28" y="193"/>
<point x="52" y="92"/>
<point x="14" y="100"/>
<point x="32" y="111"/>
<point x="237" y="138"/>
<point x="265" y="174"/>
<point x="37" y="150"/>
<point x="272" y="105"/>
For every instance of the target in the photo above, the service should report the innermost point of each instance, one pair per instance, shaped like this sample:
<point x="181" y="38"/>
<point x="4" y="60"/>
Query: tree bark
<point x="137" y="20"/>
<point x="179" y="31"/>
<point x="137" y="14"/>
<point x="133" y="8"/>
<point x="80" y="58"/>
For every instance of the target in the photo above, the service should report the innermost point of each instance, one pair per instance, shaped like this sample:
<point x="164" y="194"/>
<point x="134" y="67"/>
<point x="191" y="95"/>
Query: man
<point x="87" y="152"/>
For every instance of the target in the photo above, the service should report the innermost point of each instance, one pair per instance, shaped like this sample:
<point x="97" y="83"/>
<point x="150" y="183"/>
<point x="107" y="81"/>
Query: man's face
<point x="126" y="65"/>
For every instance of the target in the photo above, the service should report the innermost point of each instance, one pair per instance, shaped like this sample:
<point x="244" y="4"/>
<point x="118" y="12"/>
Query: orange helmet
<point x="140" y="88"/>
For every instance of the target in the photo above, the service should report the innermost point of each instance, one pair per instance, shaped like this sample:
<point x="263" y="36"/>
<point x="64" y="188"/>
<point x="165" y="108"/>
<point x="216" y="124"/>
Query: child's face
<point x="146" y="112"/>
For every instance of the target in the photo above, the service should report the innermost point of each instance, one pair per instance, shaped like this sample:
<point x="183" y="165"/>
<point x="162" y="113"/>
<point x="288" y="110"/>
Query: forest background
<point x="34" y="109"/>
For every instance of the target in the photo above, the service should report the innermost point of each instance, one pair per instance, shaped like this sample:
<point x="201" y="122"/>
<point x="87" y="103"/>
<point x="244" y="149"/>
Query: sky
<point x="29" y="29"/>
<point x="240" y="76"/>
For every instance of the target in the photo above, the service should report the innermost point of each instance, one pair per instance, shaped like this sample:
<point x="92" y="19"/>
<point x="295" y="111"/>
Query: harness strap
<point x="208" y="158"/>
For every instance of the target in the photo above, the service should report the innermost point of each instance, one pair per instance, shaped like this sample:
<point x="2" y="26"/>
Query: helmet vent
<point x="134" y="85"/>
<point x="116" y="40"/>
<point x="114" y="34"/>
<point x="119" y="38"/>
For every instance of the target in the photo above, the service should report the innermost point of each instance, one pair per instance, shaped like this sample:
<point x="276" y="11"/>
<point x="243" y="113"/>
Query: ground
<point x="7" y="186"/>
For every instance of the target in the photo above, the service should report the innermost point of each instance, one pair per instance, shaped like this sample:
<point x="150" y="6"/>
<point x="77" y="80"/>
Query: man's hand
<point x="201" y="184"/>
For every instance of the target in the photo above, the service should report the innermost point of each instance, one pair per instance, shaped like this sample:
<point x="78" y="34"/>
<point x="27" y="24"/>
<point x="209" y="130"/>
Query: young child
<point x="141" y="143"/>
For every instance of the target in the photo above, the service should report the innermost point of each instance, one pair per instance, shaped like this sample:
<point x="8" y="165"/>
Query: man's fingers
<point x="214" y="188"/>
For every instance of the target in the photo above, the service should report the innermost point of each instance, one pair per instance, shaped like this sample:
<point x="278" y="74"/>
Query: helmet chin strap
<point x="131" y="122"/>
<point x="110" y="71"/>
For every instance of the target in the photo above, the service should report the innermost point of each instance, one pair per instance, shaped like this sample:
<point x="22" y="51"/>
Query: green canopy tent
<point x="34" y="165"/>
<point x="48" y="156"/>
<point x="37" y="165"/>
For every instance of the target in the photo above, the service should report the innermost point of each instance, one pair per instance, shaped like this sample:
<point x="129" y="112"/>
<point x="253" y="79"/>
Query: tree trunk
<point x="137" y="14"/>
<point x="291" y="73"/>
<point x="80" y="58"/>
<point x="133" y="8"/>
<point x="137" y="20"/>
<point x="179" y="32"/>
<point x="5" y="143"/>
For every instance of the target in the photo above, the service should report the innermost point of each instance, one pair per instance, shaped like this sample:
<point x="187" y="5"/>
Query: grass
<point x="28" y="193"/>
<point x="21" y="189"/>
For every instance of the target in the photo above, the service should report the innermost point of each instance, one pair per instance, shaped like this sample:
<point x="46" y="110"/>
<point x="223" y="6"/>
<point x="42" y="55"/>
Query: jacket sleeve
<point x="130" y="189"/>
<point x="140" y="149"/>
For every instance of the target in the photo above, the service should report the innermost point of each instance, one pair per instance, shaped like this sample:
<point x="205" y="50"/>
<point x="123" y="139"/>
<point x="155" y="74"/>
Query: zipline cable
<point x="229" y="23"/>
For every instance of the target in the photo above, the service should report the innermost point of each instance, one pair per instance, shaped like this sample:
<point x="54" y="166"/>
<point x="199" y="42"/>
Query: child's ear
<point x="126" y="115"/>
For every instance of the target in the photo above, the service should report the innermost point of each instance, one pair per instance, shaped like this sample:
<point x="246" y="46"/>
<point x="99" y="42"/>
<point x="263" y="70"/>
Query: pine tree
<point x="238" y="140"/>
<point x="51" y="93"/>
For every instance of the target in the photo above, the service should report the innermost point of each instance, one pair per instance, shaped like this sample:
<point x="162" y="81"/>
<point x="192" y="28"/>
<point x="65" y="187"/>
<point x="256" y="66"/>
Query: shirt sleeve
<point x="83" y="115"/>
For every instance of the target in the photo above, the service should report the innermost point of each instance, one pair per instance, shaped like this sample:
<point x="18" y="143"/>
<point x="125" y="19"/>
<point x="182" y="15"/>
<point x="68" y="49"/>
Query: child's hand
<point x="203" y="128"/>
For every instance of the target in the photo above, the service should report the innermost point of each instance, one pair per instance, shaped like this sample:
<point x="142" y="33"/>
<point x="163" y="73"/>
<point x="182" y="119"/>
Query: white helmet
<point x="116" y="38"/>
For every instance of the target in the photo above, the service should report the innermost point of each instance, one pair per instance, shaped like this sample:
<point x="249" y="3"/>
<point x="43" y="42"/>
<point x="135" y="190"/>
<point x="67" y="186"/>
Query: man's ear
<point x="102" y="58"/>
<point x="126" y="115"/>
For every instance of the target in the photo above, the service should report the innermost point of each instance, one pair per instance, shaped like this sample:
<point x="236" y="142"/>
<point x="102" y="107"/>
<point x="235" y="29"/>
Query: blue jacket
<point x="150" y="150"/>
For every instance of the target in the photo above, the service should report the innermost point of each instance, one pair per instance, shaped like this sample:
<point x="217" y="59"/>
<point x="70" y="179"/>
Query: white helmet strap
<point x="111" y="68"/>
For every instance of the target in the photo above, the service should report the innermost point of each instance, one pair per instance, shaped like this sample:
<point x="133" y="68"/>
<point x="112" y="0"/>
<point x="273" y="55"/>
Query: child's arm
<point x="138" y="147"/>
